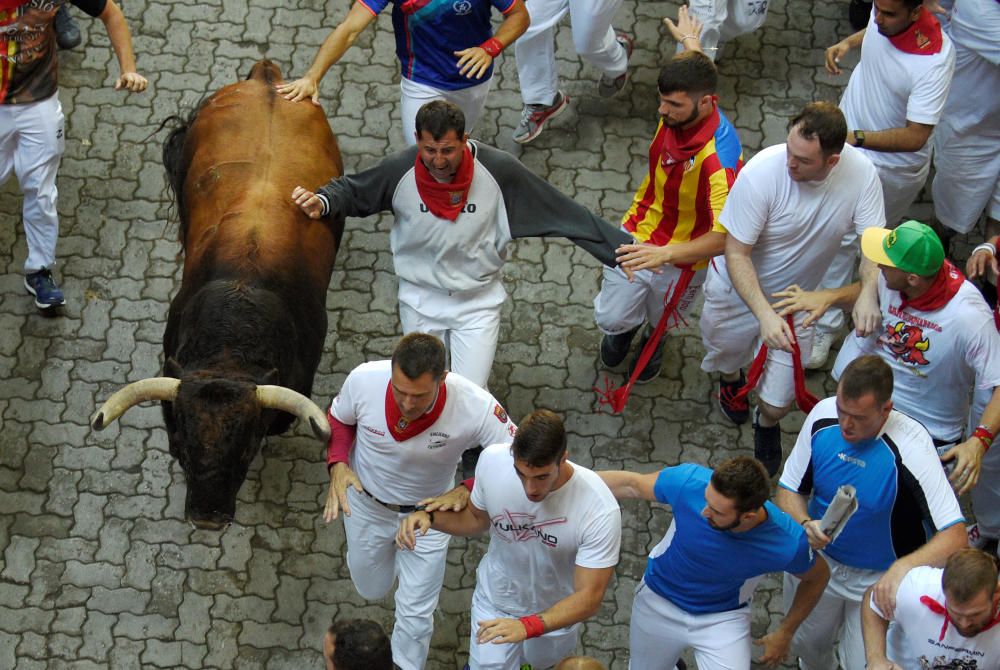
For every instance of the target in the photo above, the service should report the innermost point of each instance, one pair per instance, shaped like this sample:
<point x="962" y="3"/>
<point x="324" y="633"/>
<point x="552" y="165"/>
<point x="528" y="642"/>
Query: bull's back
<point x="246" y="150"/>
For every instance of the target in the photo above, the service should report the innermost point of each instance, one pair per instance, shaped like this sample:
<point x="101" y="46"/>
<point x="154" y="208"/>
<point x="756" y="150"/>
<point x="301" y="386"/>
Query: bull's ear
<point x="171" y="368"/>
<point x="270" y="378"/>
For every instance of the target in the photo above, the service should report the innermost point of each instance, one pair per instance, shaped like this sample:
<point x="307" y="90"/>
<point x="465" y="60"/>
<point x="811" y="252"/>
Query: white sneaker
<point x="822" y="342"/>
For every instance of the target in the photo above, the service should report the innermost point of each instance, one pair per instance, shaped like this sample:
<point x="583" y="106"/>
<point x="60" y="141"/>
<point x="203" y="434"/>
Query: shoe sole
<point x="616" y="92"/>
<point x="541" y="126"/>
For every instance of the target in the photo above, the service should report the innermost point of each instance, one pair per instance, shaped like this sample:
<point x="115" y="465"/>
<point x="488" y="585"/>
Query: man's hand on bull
<point x="473" y="62"/>
<point x="341" y="478"/>
<point x="454" y="500"/>
<point x="300" y="89"/>
<point x="308" y="202"/>
<point x="131" y="81"/>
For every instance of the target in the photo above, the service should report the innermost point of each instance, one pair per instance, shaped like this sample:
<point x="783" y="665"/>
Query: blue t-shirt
<point x="703" y="570"/>
<point x="429" y="32"/>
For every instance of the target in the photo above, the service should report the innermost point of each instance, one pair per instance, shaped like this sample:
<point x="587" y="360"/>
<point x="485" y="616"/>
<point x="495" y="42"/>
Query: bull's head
<point x="215" y="427"/>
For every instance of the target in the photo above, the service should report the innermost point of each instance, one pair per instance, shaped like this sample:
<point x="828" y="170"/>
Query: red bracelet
<point x="533" y="625"/>
<point x="983" y="434"/>
<point x="492" y="46"/>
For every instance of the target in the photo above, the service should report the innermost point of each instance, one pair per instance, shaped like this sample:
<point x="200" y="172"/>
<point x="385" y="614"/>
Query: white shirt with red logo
<point x="937" y="357"/>
<point x="919" y="638"/>
<point x="534" y="547"/>
<point x="403" y="472"/>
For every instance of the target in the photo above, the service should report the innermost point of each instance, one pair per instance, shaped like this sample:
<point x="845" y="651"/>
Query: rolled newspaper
<point x="841" y="509"/>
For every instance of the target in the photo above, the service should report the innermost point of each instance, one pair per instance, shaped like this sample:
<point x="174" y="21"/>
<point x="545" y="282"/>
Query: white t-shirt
<point x="795" y="228"/>
<point x="936" y="357"/>
<point x="915" y="637"/>
<point x="890" y="87"/>
<point x="422" y="466"/>
<point x="534" y="547"/>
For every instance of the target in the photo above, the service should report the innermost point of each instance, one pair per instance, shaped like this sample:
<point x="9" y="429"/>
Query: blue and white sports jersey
<point x="703" y="570"/>
<point x="899" y="481"/>
<point x="429" y="32"/>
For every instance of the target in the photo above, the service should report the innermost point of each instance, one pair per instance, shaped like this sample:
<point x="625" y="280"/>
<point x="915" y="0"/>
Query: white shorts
<point x="622" y="305"/>
<point x="731" y="335"/>
<point x="471" y="100"/>
<point x="723" y="20"/>
<point x="540" y="652"/>
<point x="375" y="562"/>
<point x="32" y="141"/>
<point x="838" y="613"/>
<point x="468" y="322"/>
<point x="660" y="631"/>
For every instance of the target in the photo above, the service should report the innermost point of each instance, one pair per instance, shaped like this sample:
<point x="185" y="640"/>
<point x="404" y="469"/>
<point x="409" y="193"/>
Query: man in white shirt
<point x="943" y="619"/>
<point x="785" y="215"/>
<point x="397" y="430"/>
<point x="555" y="532"/>
<point x="893" y="100"/>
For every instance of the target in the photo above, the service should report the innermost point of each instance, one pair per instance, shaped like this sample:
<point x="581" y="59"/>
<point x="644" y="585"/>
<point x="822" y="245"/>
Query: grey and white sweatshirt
<point x="506" y="201"/>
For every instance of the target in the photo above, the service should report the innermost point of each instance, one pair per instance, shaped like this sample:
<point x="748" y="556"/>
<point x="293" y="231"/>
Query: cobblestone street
<point x="98" y="569"/>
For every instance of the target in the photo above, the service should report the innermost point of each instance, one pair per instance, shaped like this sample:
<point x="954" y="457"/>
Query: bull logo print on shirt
<point x="521" y="527"/>
<point x="906" y="343"/>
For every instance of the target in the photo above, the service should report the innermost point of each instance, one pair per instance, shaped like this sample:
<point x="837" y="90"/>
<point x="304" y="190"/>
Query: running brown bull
<point x="246" y="329"/>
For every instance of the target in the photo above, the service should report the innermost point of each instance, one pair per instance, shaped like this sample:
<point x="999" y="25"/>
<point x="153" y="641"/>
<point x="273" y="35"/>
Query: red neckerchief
<point x="803" y="398"/>
<point x="938" y="608"/>
<point x="922" y="38"/>
<point x="446" y="201"/>
<point x="11" y="5"/>
<point x="679" y="145"/>
<point x="402" y="429"/>
<point x="946" y="284"/>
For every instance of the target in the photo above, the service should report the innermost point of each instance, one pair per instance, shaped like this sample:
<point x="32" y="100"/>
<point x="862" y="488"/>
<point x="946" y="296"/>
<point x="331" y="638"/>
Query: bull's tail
<point x="174" y="160"/>
<point x="265" y="71"/>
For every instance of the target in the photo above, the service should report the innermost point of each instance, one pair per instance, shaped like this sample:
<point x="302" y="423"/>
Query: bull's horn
<point x="293" y="402"/>
<point x="154" y="388"/>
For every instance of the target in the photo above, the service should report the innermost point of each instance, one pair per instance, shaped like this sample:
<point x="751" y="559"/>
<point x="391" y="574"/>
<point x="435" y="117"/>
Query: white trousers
<point x="593" y="39"/>
<point x="838" y="613"/>
<point x="900" y="189"/>
<point x="468" y="322"/>
<point x="839" y="273"/>
<point x="967" y="145"/>
<point x="540" y="652"/>
<point x="375" y="563"/>
<point x="986" y="494"/>
<point x="723" y="20"/>
<point x="660" y="632"/>
<point x="731" y="335"/>
<point x="471" y="100"/>
<point x="31" y="143"/>
<point x="622" y="305"/>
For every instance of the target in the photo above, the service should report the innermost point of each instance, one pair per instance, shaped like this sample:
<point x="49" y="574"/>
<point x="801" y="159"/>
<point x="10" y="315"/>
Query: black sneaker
<point x="614" y="348"/>
<point x="41" y="285"/>
<point x="737" y="411"/>
<point x="767" y="445"/>
<point x="652" y="369"/>
<point x="67" y="31"/>
<point x="858" y="13"/>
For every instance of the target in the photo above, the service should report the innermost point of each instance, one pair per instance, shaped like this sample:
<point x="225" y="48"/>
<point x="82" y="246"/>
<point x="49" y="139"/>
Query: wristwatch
<point x="859" y="138"/>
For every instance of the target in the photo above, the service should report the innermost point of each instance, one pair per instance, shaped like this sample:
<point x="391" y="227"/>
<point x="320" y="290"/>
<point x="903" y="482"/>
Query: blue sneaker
<point x="41" y="285"/>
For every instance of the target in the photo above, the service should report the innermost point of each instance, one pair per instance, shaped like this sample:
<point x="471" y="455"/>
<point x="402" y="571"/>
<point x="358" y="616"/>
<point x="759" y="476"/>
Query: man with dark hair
<point x="458" y="204"/>
<point x="858" y="439"/>
<point x="943" y="619"/>
<point x="693" y="161"/>
<point x="555" y="532"/>
<point x="446" y="51"/>
<point x="894" y="98"/>
<point x="415" y="420"/>
<point x="699" y="579"/>
<point x="356" y="644"/>
<point x="785" y="216"/>
<point x="32" y="137"/>
<point x="937" y="335"/>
